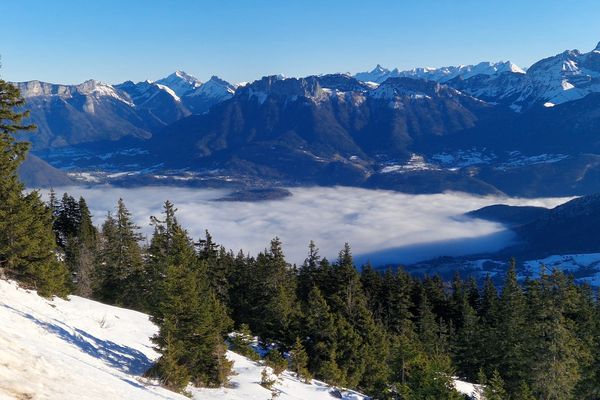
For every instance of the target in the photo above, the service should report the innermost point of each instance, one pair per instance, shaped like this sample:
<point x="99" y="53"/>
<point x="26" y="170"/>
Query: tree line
<point x="388" y="334"/>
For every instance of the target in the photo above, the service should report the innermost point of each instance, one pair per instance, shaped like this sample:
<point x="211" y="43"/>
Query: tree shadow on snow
<point x="123" y="358"/>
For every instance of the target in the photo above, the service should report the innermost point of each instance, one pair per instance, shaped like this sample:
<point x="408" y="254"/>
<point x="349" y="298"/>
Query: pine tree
<point x="494" y="388"/>
<point x="27" y="245"/>
<point x="299" y="361"/>
<point x="87" y="247"/>
<point x="319" y="331"/>
<point x="554" y="368"/>
<point x="121" y="266"/>
<point x="219" y="266"/>
<point x="510" y="343"/>
<point x="467" y="343"/>
<point x="272" y="305"/>
<point x="190" y="315"/>
<point x="241" y="342"/>
<point x="308" y="275"/>
<point x="159" y="256"/>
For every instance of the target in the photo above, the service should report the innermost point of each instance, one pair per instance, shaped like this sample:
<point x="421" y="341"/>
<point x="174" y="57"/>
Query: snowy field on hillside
<point x="585" y="268"/>
<point x="81" y="349"/>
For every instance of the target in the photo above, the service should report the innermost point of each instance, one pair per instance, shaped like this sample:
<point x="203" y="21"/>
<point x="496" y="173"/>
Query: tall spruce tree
<point x="120" y="257"/>
<point x="192" y="323"/>
<point x="27" y="246"/>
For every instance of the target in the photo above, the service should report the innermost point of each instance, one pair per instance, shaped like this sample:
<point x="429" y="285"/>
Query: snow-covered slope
<point x="62" y="350"/>
<point x="180" y="82"/>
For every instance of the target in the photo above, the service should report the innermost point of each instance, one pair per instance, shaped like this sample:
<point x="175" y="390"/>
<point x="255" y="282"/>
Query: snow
<point x="415" y="163"/>
<point x="180" y="82"/>
<point x="91" y="89"/>
<point x="442" y="74"/>
<point x="585" y="267"/>
<point x="84" y="349"/>
<point x="468" y="389"/>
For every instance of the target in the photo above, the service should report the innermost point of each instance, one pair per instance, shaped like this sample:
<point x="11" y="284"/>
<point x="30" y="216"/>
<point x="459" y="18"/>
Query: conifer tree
<point x="159" y="256"/>
<point x="27" y="246"/>
<point x="554" y="366"/>
<point x="494" y="388"/>
<point x="272" y="300"/>
<point x="320" y="332"/>
<point x="512" y="327"/>
<point x="219" y="266"/>
<point x="299" y="361"/>
<point x="190" y="315"/>
<point x="308" y="275"/>
<point x="121" y="265"/>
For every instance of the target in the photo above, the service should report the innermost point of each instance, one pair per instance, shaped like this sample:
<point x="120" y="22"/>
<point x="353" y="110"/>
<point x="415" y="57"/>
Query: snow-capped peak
<point x="215" y="87"/>
<point x="379" y="69"/>
<point x="180" y="82"/>
<point x="442" y="74"/>
<point x="377" y="74"/>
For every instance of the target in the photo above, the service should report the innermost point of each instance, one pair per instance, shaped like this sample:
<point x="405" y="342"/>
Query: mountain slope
<point x="83" y="349"/>
<point x="568" y="76"/>
<point x="71" y="114"/>
<point x="316" y="127"/>
<point x="94" y="111"/>
<point x="37" y="173"/>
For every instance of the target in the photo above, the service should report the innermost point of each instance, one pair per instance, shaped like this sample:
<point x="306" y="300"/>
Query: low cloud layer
<point x="381" y="226"/>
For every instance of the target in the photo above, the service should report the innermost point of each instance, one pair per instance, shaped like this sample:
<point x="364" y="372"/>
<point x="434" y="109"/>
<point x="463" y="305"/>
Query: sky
<point x="70" y="41"/>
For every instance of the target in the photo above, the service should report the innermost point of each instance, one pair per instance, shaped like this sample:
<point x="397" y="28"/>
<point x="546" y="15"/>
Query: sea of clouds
<point x="381" y="226"/>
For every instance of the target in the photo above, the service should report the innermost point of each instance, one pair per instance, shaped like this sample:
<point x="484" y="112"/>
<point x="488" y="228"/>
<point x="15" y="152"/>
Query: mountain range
<point x="485" y="128"/>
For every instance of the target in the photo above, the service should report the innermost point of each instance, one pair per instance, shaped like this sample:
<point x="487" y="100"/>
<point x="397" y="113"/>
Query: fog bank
<point x="381" y="226"/>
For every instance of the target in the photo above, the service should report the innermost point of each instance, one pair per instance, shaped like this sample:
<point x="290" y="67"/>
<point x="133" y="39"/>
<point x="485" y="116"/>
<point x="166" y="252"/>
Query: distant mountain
<point x="568" y="228"/>
<point x="180" y="82"/>
<point x="71" y="114"/>
<point x="155" y="102"/>
<point x="207" y="94"/>
<point x="559" y="79"/>
<point x="93" y="111"/>
<point x="36" y="173"/>
<point x="324" y="129"/>
<point x="484" y="128"/>
<point x="512" y="216"/>
<point x="443" y="74"/>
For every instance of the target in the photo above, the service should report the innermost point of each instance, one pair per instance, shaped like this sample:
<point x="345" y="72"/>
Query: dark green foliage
<point x="299" y="361"/>
<point x="241" y="343"/>
<point x="190" y="316"/>
<point x="77" y="237"/>
<point x="495" y="388"/>
<point x="276" y="361"/>
<point x="266" y="379"/>
<point x="27" y="247"/>
<point x="387" y="334"/>
<point x="120" y="271"/>
<point x="266" y="295"/>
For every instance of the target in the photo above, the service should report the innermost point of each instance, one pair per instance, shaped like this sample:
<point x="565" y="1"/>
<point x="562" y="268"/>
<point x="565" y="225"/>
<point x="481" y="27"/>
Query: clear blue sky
<point x="69" y="41"/>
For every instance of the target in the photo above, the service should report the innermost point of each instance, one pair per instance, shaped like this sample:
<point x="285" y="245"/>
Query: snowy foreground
<point x="82" y="349"/>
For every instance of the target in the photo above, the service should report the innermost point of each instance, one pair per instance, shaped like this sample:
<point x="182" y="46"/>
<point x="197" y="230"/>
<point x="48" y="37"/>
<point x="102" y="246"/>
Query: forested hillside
<point x="390" y="335"/>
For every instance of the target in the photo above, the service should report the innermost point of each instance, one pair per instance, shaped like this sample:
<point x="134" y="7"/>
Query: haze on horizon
<point x="72" y="41"/>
